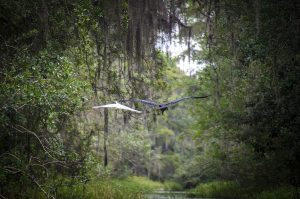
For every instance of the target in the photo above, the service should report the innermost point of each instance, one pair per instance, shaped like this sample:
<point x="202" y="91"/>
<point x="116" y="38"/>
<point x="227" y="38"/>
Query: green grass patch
<point x="172" y="186"/>
<point x="219" y="189"/>
<point x="232" y="190"/>
<point x="284" y="192"/>
<point x="129" y="188"/>
<point x="143" y="183"/>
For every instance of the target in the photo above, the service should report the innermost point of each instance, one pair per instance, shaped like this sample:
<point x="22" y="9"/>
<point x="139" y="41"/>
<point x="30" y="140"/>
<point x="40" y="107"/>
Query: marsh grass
<point x="172" y="186"/>
<point x="219" y="189"/>
<point x="128" y="188"/>
<point x="232" y="190"/>
<point x="284" y="192"/>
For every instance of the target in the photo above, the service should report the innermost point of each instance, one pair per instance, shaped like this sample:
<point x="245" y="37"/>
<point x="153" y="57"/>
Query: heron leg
<point x="163" y="110"/>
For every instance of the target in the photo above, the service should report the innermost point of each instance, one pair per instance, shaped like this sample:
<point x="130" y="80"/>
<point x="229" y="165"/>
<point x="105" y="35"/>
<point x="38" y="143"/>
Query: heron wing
<point x="118" y="106"/>
<point x="147" y="102"/>
<point x="184" y="98"/>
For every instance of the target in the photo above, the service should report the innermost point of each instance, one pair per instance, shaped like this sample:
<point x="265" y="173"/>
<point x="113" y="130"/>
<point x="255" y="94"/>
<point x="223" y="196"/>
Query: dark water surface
<point x="172" y="195"/>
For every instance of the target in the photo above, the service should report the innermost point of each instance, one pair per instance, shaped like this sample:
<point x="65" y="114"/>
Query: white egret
<point x="117" y="106"/>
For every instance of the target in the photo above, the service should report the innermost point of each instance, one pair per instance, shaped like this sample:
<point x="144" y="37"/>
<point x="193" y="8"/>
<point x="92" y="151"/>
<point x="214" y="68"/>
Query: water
<point x="171" y="195"/>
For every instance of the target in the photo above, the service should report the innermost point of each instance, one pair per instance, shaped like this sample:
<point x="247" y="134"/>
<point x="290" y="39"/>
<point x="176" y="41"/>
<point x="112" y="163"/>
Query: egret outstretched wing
<point x="118" y="106"/>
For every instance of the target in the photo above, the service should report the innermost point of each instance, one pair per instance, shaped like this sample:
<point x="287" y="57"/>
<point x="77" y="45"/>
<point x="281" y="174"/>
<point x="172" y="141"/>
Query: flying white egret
<point x="162" y="106"/>
<point x="118" y="106"/>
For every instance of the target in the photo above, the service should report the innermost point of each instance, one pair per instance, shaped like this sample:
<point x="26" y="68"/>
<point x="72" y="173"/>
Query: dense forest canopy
<point x="61" y="57"/>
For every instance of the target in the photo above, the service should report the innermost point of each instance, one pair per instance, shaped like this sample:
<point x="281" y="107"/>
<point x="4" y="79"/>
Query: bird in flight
<point x="162" y="106"/>
<point x="118" y="106"/>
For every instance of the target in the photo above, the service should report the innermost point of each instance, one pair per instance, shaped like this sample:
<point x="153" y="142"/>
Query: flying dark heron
<point x="163" y="106"/>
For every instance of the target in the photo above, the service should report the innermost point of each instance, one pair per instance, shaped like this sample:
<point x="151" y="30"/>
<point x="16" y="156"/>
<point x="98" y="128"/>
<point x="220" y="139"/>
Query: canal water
<point x="171" y="195"/>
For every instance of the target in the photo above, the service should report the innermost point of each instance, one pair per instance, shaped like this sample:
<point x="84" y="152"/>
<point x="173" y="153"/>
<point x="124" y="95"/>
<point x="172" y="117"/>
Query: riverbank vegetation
<point x="226" y="189"/>
<point x="104" y="188"/>
<point x="132" y="187"/>
<point x="59" y="58"/>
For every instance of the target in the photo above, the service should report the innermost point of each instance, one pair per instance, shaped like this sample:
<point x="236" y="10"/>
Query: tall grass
<point x="219" y="189"/>
<point x="129" y="188"/>
<point x="232" y="190"/>
<point x="284" y="192"/>
<point x="172" y="186"/>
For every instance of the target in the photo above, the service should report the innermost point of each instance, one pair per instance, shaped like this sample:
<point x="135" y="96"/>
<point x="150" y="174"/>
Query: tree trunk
<point x="257" y="15"/>
<point x="28" y="138"/>
<point x="40" y="40"/>
<point x="105" y="136"/>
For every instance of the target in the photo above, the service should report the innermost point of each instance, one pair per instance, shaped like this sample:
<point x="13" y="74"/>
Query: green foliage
<point x="38" y="96"/>
<point x="165" y="131"/>
<point x="57" y="61"/>
<point x="246" y="132"/>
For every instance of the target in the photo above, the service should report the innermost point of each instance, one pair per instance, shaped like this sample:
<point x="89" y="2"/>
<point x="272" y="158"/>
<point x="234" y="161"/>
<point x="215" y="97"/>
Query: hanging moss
<point x="145" y="20"/>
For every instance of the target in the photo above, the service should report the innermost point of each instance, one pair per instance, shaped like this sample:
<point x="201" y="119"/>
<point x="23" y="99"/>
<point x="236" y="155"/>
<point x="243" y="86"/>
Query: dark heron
<point x="162" y="106"/>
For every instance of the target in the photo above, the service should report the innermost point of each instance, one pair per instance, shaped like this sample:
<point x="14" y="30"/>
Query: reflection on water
<point x="171" y="195"/>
